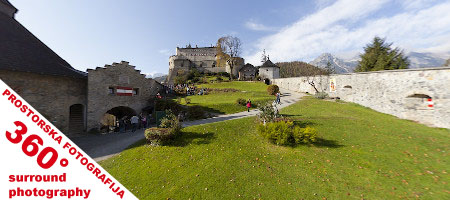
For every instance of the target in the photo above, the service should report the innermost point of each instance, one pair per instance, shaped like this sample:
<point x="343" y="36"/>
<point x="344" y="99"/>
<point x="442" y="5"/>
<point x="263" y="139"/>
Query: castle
<point x="204" y="59"/>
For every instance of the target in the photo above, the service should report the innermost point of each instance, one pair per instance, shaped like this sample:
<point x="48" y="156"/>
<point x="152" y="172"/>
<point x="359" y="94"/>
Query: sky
<point x="92" y="33"/>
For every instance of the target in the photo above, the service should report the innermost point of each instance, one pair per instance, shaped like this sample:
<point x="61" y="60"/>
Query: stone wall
<point x="52" y="96"/>
<point x="402" y="93"/>
<point x="118" y="74"/>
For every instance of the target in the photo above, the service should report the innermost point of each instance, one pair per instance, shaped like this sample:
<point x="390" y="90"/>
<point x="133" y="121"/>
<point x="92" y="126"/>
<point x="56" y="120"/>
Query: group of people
<point x="134" y="123"/>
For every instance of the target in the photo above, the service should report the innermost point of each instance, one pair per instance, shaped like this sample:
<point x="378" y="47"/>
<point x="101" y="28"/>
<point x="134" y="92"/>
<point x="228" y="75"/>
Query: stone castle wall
<point x="402" y="93"/>
<point x="51" y="96"/>
<point x="118" y="74"/>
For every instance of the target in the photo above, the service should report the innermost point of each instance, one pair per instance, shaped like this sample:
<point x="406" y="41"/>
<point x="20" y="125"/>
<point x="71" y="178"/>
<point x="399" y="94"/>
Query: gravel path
<point x="101" y="147"/>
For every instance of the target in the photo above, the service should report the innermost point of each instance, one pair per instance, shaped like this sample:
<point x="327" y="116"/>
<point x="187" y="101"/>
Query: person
<point x="122" y="124"/>
<point x="278" y="98"/>
<point x="134" y="122"/>
<point x="249" y="105"/>
<point x="144" y="121"/>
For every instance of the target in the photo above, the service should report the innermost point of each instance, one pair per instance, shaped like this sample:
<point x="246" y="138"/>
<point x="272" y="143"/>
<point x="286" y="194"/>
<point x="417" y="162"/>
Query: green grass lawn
<point x="225" y="102"/>
<point x="360" y="154"/>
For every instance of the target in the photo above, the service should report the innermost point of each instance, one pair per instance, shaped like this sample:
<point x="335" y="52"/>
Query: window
<point x="111" y="90"/>
<point x="135" y="91"/>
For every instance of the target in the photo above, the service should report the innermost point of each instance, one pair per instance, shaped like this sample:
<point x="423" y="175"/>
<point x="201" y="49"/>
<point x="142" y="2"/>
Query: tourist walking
<point x="249" y="105"/>
<point x="134" y="122"/>
<point x="278" y="98"/>
<point x="144" y="121"/>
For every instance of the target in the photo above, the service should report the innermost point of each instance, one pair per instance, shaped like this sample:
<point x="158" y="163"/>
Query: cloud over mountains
<point x="346" y="26"/>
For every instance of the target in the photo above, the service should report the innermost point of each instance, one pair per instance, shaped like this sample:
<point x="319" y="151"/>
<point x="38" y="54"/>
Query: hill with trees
<point x="299" y="68"/>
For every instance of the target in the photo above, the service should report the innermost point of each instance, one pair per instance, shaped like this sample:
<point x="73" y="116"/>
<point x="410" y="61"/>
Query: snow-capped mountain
<point x="338" y="64"/>
<point x="155" y="75"/>
<point x="424" y="60"/>
<point x="417" y="60"/>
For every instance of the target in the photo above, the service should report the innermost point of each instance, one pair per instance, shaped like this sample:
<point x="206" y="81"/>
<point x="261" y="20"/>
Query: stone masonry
<point x="51" y="95"/>
<point x="402" y="93"/>
<point x="100" y="100"/>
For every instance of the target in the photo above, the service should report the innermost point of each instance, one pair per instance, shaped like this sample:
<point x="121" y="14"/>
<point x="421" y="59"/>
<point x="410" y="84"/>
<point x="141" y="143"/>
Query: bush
<point x="187" y="100"/>
<point x="165" y="104"/>
<point x="273" y="89"/>
<point x="241" y="101"/>
<point x="286" y="133"/>
<point x="195" y="112"/>
<point x="268" y="113"/>
<point x="158" y="136"/>
<point x="321" y="95"/>
<point x="171" y="122"/>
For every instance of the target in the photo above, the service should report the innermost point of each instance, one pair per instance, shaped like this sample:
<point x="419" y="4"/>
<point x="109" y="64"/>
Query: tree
<point x="298" y="69"/>
<point x="264" y="57"/>
<point x="447" y="63"/>
<point x="380" y="56"/>
<point x="228" y="50"/>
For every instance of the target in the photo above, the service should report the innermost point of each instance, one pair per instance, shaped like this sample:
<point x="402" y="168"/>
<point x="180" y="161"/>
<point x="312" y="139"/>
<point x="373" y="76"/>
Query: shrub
<point x="158" y="136"/>
<point x="267" y="114"/>
<point x="195" y="112"/>
<point x="219" y="79"/>
<point x="171" y="122"/>
<point x="273" y="89"/>
<point x="166" y="104"/>
<point x="187" y="100"/>
<point x="286" y="133"/>
<point x="321" y="95"/>
<point x="178" y="100"/>
<point x="305" y="135"/>
<point x="241" y="101"/>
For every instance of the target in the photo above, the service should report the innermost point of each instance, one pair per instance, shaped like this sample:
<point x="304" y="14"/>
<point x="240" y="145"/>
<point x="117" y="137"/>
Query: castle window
<point x="111" y="90"/>
<point x="135" y="91"/>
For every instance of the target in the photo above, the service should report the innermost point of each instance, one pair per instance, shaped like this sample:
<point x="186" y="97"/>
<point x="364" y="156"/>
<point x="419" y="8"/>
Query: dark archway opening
<point x="110" y="120"/>
<point x="122" y="111"/>
<point x="267" y="81"/>
<point x="76" y="118"/>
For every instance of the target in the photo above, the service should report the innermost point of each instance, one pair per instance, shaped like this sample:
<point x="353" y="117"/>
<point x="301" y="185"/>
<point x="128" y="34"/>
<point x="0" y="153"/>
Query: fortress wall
<point x="402" y="93"/>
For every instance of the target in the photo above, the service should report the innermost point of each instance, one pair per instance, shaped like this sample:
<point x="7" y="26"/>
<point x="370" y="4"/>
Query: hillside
<point x="298" y="68"/>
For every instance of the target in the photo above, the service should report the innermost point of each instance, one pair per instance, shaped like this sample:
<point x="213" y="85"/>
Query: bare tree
<point x="264" y="57"/>
<point x="228" y="51"/>
<point x="311" y="73"/>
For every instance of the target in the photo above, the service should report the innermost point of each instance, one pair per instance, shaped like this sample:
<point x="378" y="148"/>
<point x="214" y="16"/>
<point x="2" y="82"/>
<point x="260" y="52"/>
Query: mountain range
<point x="417" y="60"/>
<point x="157" y="76"/>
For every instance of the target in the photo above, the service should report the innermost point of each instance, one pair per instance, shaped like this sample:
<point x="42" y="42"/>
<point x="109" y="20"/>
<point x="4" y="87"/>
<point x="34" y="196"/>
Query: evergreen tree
<point x="380" y="56"/>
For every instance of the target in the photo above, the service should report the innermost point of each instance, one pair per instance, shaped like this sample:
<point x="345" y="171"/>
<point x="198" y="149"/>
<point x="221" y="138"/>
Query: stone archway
<point x="76" y="119"/>
<point x="109" y="120"/>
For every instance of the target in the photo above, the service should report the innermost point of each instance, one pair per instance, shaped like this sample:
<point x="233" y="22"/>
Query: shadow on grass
<point x="185" y="139"/>
<point x="320" y="142"/>
<point x="191" y="138"/>
<point x="304" y="123"/>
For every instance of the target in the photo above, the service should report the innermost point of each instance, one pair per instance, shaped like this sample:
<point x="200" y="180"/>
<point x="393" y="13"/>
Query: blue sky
<point x="93" y="33"/>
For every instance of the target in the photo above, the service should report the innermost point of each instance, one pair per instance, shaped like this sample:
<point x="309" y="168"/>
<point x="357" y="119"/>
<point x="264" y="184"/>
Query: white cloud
<point x="165" y="52"/>
<point x="332" y="29"/>
<point x="253" y="25"/>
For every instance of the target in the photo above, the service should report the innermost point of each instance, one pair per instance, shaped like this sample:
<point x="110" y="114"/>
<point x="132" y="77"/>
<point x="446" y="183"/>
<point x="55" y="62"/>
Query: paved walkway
<point x="101" y="147"/>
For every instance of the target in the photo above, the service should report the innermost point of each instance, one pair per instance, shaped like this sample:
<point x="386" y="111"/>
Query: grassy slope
<point x="225" y="103"/>
<point x="361" y="153"/>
